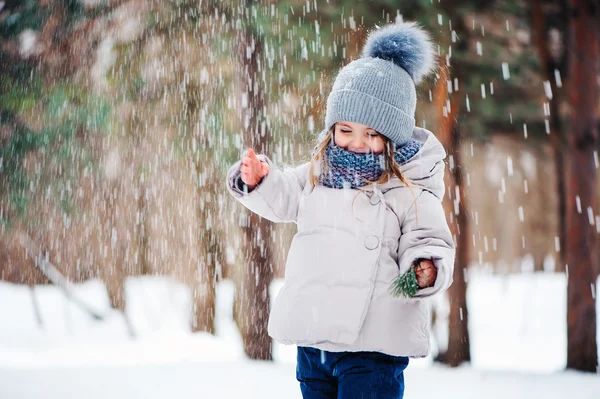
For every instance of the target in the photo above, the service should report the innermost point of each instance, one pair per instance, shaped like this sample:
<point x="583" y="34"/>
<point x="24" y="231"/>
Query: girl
<point x="370" y="226"/>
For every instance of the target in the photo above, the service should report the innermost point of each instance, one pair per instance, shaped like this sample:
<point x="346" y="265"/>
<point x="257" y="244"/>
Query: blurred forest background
<point x="119" y="119"/>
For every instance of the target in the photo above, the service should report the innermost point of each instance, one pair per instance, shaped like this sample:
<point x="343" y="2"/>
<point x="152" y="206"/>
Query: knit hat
<point x="378" y="89"/>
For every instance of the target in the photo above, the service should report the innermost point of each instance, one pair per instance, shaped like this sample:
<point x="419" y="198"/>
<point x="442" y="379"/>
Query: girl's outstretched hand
<point x="426" y="273"/>
<point x="252" y="169"/>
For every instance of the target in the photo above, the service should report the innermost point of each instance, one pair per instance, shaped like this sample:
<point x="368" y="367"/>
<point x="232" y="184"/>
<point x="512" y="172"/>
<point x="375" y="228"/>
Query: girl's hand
<point x="426" y="273"/>
<point x="253" y="169"/>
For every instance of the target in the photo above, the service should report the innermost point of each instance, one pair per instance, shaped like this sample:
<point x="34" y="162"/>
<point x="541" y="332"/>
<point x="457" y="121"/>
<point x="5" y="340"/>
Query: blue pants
<point x="349" y="375"/>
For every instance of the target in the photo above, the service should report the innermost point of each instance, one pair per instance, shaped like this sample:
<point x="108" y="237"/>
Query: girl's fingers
<point x="251" y="159"/>
<point x="252" y="169"/>
<point x="265" y="168"/>
<point x="425" y="275"/>
<point x="248" y="164"/>
<point x="252" y="154"/>
<point x="428" y="276"/>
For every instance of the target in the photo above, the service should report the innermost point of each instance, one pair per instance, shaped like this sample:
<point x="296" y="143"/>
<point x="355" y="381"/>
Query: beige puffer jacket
<point x="349" y="248"/>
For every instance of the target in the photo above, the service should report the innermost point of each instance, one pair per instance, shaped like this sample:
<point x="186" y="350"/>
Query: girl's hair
<point x="392" y="168"/>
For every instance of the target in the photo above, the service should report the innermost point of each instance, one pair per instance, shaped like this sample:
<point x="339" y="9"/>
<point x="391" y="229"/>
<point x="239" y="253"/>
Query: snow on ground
<point x="517" y="329"/>
<point x="245" y="379"/>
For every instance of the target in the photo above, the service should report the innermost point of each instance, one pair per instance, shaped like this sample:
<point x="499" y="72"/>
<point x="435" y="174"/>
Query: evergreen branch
<point x="406" y="284"/>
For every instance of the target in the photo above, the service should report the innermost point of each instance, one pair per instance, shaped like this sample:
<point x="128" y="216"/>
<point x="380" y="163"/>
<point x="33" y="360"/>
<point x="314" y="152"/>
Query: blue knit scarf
<point x="347" y="169"/>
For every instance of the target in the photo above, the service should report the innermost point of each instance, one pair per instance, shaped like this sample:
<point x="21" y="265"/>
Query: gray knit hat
<point x="378" y="90"/>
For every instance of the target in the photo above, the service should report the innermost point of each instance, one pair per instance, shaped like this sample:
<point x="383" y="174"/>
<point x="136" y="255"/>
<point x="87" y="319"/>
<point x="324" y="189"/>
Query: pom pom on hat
<point x="406" y="45"/>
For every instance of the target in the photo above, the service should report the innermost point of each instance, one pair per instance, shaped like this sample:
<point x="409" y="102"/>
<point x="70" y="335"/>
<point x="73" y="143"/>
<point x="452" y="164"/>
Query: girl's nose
<point x="357" y="144"/>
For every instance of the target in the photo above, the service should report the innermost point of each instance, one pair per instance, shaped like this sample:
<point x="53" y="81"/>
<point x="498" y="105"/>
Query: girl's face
<point x="357" y="137"/>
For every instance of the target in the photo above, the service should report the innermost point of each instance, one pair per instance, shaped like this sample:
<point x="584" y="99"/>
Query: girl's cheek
<point x="377" y="148"/>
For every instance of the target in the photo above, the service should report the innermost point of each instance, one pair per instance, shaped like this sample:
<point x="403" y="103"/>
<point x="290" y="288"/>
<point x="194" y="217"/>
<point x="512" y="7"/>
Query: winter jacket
<point x="349" y="248"/>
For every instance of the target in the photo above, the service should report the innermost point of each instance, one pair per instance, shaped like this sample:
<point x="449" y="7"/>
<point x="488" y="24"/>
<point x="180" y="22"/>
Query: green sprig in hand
<point x="422" y="274"/>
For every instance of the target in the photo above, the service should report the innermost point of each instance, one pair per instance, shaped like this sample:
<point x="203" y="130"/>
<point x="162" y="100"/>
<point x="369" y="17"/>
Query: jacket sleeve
<point x="277" y="195"/>
<point x="425" y="234"/>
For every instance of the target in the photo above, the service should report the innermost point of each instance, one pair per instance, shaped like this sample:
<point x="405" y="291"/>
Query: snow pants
<point x="349" y="375"/>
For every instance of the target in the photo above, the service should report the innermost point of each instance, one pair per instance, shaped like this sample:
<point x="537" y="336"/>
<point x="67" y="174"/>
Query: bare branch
<point x="55" y="276"/>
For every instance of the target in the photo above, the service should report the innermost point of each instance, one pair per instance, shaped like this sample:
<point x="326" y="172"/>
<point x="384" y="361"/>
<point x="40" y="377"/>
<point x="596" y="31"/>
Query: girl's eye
<point x="372" y="134"/>
<point x="346" y="131"/>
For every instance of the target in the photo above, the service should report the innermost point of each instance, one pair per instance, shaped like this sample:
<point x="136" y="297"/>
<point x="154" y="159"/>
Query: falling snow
<point x="119" y="121"/>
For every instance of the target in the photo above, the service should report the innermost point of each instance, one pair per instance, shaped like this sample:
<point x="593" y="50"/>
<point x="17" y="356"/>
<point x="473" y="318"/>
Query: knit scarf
<point x="347" y="169"/>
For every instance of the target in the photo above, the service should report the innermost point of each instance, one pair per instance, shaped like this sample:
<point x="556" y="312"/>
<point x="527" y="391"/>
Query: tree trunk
<point x="548" y="14"/>
<point x="449" y="135"/>
<point x="210" y="253"/>
<point x="252" y="293"/>
<point x="581" y="246"/>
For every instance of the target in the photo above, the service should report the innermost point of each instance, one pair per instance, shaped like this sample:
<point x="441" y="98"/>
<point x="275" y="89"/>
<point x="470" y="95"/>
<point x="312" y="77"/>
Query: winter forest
<point x="128" y="271"/>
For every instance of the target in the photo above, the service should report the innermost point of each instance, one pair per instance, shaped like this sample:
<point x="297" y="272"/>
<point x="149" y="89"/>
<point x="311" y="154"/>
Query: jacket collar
<point x="426" y="168"/>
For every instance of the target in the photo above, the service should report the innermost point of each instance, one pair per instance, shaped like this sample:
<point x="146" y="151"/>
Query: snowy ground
<point x="517" y="326"/>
